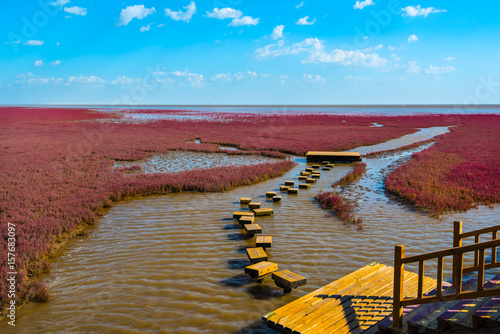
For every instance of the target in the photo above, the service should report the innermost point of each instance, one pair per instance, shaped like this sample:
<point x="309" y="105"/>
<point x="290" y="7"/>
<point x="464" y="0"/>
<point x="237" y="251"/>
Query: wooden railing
<point x="457" y="253"/>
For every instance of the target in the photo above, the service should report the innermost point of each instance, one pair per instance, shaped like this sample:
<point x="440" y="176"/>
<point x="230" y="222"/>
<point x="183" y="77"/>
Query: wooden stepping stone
<point x="289" y="183"/>
<point x="264" y="241"/>
<point x="252" y="229"/>
<point x="315" y="176"/>
<point x="302" y="177"/>
<point x="284" y="188"/>
<point x="238" y="214"/>
<point x="304" y="185"/>
<point x="254" y="205"/>
<point x="309" y="169"/>
<point x="316" y="166"/>
<point x="271" y="193"/>
<point x="305" y="173"/>
<point x="263" y="211"/>
<point x="325" y="162"/>
<point x="256" y="255"/>
<point x="276" y="198"/>
<point x="326" y="168"/>
<point x="261" y="269"/>
<point x="245" y="200"/>
<point x="310" y="180"/>
<point x="246" y="220"/>
<point x="287" y="280"/>
<point x="330" y="165"/>
<point x="293" y="191"/>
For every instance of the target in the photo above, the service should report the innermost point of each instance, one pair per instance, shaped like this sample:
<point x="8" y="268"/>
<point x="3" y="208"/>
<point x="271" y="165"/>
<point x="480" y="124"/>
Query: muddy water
<point x="174" y="263"/>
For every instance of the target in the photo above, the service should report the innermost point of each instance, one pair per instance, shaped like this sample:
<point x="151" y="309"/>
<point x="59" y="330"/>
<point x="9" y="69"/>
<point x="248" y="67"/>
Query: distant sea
<point x="303" y="109"/>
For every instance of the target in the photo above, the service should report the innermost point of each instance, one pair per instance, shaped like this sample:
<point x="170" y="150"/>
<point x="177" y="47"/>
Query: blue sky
<point x="249" y="52"/>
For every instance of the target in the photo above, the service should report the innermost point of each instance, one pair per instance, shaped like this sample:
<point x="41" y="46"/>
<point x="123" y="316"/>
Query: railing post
<point x="399" y="267"/>
<point x="458" y="258"/>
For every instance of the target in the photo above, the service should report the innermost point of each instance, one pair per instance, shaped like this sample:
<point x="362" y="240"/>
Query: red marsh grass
<point x="57" y="163"/>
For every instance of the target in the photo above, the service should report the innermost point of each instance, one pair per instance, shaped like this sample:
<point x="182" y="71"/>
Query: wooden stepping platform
<point x="310" y="180"/>
<point x="245" y="200"/>
<point x="309" y="169"/>
<point x="325" y="162"/>
<point x="263" y="211"/>
<point x="271" y="193"/>
<point x="238" y="214"/>
<point x="316" y="166"/>
<point x="302" y="178"/>
<point x="293" y="191"/>
<point x="246" y="220"/>
<point x="288" y="280"/>
<point x="252" y="229"/>
<point x="261" y="269"/>
<point x="351" y="304"/>
<point x="315" y="176"/>
<point x="326" y="168"/>
<point x="304" y="186"/>
<point x="289" y="183"/>
<point x="276" y="198"/>
<point x="256" y="255"/>
<point x="305" y="173"/>
<point x="284" y="188"/>
<point x="330" y="165"/>
<point x="264" y="241"/>
<point x="254" y="205"/>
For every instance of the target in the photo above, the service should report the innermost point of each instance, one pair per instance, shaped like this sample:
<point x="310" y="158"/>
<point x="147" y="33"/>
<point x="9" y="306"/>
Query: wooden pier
<point x="351" y="304"/>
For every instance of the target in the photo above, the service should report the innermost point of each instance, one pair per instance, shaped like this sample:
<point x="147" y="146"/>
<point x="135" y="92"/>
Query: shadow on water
<point x="242" y="249"/>
<point x="258" y="327"/>
<point x="232" y="227"/>
<point x="237" y="281"/>
<point x="236" y="237"/>
<point x="264" y="292"/>
<point x="237" y="263"/>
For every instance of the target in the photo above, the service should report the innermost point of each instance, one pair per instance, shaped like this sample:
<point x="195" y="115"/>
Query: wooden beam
<point x="397" y="311"/>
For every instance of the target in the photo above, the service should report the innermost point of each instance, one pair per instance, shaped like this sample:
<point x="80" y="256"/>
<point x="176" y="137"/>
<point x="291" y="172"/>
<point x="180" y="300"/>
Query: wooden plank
<point x="254" y="205"/>
<point x="284" y="188"/>
<point x="288" y="279"/>
<point x="309" y="169"/>
<point x="238" y="214"/>
<point x="252" y="229"/>
<point x="245" y="200"/>
<point x="305" y="173"/>
<point x="276" y="198"/>
<point x="246" y="220"/>
<point x="304" y="185"/>
<point x="263" y="211"/>
<point x="256" y="255"/>
<point x="261" y="269"/>
<point x="271" y="193"/>
<point x="315" y="176"/>
<point x="310" y="180"/>
<point x="302" y="178"/>
<point x="289" y="183"/>
<point x="264" y="241"/>
<point x="316" y="166"/>
<point x="293" y="190"/>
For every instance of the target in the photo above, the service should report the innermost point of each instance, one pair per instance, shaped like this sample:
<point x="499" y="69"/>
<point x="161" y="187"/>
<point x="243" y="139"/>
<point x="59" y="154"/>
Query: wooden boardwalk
<point x="355" y="303"/>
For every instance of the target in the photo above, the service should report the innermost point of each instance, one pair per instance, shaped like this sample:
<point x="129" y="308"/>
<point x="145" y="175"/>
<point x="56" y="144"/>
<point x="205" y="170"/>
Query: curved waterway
<point x="174" y="263"/>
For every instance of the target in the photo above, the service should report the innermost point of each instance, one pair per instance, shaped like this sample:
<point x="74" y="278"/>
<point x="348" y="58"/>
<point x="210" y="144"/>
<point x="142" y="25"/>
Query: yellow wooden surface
<point x="271" y="193"/>
<point x="256" y="254"/>
<point x="254" y="205"/>
<point x="263" y="211"/>
<point x="305" y="185"/>
<point x="238" y="214"/>
<point x="245" y="200"/>
<point x="246" y="219"/>
<point x="350" y="304"/>
<point x="293" y="191"/>
<point x="264" y="241"/>
<point x="260" y="269"/>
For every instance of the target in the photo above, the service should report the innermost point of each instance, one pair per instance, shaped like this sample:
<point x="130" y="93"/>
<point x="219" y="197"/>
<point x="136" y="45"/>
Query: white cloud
<point x="412" y="38"/>
<point x="363" y="4"/>
<point x="439" y="70"/>
<point x="413" y="68"/>
<point x="248" y="75"/>
<point x="317" y="54"/>
<point x="180" y="15"/>
<point x="160" y="25"/>
<point x="83" y="80"/>
<point x="146" y="28"/>
<point x="55" y="63"/>
<point x="357" y="78"/>
<point x="131" y="12"/>
<point x="244" y="21"/>
<point x="59" y="3"/>
<point x="224" y="13"/>
<point x="395" y="57"/>
<point x="313" y="78"/>
<point x="38" y="63"/>
<point x="237" y="17"/>
<point x="373" y="48"/>
<point x="300" y="5"/>
<point x="76" y="10"/>
<point x="449" y="58"/>
<point x="57" y="44"/>
<point x="123" y="80"/>
<point x="278" y="32"/>
<point x="30" y="79"/>
<point x="195" y="79"/>
<point x="283" y="78"/>
<point x="304" y="21"/>
<point x="34" y="42"/>
<point x="392" y="48"/>
<point x="419" y="11"/>
<point x="226" y="77"/>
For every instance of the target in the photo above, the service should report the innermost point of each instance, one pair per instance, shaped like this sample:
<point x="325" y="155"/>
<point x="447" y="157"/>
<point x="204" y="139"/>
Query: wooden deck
<point x="352" y="304"/>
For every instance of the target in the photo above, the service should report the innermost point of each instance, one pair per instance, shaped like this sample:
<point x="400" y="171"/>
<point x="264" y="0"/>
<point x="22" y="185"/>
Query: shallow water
<point x="177" y="161"/>
<point x="174" y="263"/>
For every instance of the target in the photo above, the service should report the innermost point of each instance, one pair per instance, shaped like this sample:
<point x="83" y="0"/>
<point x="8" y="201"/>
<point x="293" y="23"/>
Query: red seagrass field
<point x="57" y="166"/>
